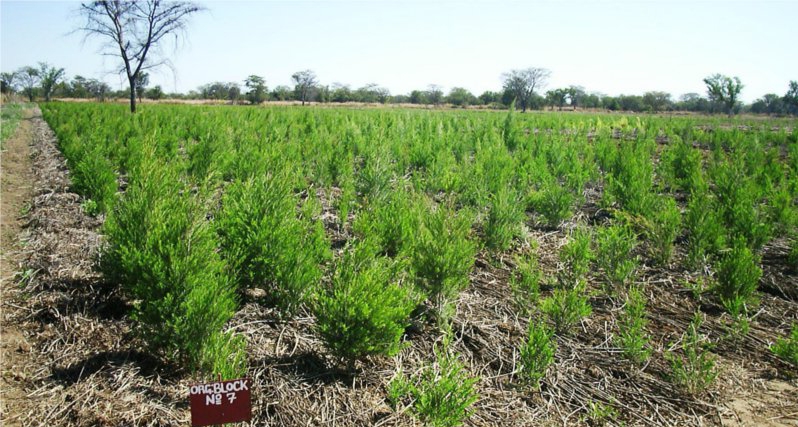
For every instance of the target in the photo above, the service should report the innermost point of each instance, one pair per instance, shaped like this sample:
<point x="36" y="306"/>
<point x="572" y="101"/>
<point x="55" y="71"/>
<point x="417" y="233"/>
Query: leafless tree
<point x="133" y="31"/>
<point x="522" y="83"/>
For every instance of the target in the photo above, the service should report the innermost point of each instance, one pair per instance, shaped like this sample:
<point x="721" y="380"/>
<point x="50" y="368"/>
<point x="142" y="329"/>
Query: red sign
<point x="220" y="402"/>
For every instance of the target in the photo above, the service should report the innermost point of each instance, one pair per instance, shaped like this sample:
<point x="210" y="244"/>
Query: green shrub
<point x="661" y="229"/>
<point x="576" y="255"/>
<point x="346" y="201"/>
<point x="686" y="163"/>
<point x="738" y="276"/>
<point x="162" y="251"/>
<point x="441" y="394"/>
<point x="566" y="308"/>
<point x="705" y="233"/>
<point x="614" y="246"/>
<point x="599" y="414"/>
<point x="781" y="210"/>
<point x="365" y="311"/>
<point x="525" y="283"/>
<point x="267" y="244"/>
<point x="510" y="133"/>
<point x="206" y="157"/>
<point x="505" y="219"/>
<point x="554" y="202"/>
<point x="398" y="388"/>
<point x="90" y="207"/>
<point x="392" y="220"/>
<point x="537" y="353"/>
<point x="94" y="177"/>
<point x="632" y="337"/>
<point x="787" y="348"/>
<point x="738" y="200"/>
<point x="443" y="255"/>
<point x="695" y="371"/>
<point x="374" y="176"/>
<point x="631" y="180"/>
<point x="225" y="356"/>
<point x="792" y="257"/>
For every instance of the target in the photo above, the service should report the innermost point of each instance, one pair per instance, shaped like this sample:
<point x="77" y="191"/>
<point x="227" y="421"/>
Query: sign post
<point x="220" y="402"/>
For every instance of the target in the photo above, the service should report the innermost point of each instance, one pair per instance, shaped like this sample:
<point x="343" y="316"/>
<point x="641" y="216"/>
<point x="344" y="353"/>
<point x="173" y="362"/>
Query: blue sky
<point x="607" y="46"/>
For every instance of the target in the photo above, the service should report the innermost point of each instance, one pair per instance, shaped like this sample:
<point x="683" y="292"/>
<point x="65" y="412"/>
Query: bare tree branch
<point x="134" y="29"/>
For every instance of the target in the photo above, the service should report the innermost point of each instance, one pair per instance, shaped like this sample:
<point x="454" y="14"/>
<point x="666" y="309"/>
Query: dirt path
<point x="16" y="182"/>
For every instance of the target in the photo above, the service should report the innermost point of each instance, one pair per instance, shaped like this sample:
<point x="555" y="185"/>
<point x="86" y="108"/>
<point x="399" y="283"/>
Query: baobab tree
<point x="134" y="30"/>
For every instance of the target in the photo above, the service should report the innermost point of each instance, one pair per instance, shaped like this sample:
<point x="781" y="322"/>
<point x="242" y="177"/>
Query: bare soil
<point x="16" y="185"/>
<point x="70" y="357"/>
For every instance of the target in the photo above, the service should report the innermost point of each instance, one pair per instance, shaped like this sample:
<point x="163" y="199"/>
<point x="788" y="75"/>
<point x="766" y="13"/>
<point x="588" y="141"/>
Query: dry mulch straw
<point x="86" y="368"/>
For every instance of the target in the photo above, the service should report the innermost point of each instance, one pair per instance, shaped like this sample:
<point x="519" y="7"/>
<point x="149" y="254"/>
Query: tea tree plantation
<point x="448" y="267"/>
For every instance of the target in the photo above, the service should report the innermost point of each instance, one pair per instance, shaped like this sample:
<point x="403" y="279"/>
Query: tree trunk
<point x="132" y="96"/>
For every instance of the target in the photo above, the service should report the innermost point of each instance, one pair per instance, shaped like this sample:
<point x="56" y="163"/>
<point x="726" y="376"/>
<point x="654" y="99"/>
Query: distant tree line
<point x="524" y="87"/>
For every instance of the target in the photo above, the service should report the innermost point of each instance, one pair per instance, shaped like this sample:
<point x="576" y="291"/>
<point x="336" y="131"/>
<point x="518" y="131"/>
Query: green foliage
<point x="566" y="308"/>
<point x="598" y="414"/>
<point x="162" y="251"/>
<point x="90" y="207"/>
<point x="685" y="165"/>
<point x="443" y="255"/>
<point x="525" y="283"/>
<point x="393" y="220"/>
<point x="346" y="201"/>
<point x="781" y="210"/>
<point x="94" y="177"/>
<point x="632" y="337"/>
<point x="441" y="394"/>
<point x="365" y="310"/>
<point x="576" y="255"/>
<point x="695" y="370"/>
<point x="792" y="257"/>
<point x="697" y="287"/>
<point x="505" y="219"/>
<point x="509" y="130"/>
<point x="738" y="276"/>
<point x="661" y="228"/>
<point x="787" y="348"/>
<point x="537" y="353"/>
<point x="631" y="178"/>
<point x="399" y="387"/>
<point x="226" y="356"/>
<point x="267" y="244"/>
<point x="554" y="202"/>
<point x="10" y="114"/>
<point x="738" y="202"/>
<point x="374" y="176"/>
<point x="705" y="233"/>
<point x="614" y="246"/>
